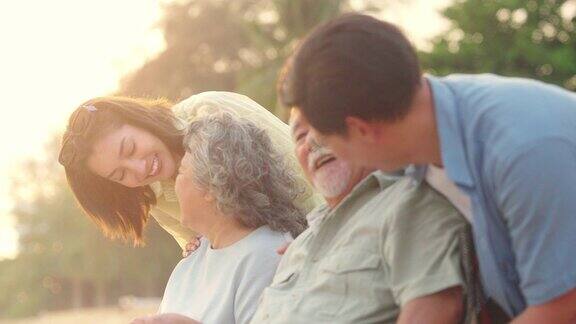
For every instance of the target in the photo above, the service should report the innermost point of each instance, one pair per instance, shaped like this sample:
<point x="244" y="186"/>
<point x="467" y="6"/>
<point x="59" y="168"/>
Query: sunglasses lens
<point x="66" y="156"/>
<point x="81" y="122"/>
<point x="78" y="127"/>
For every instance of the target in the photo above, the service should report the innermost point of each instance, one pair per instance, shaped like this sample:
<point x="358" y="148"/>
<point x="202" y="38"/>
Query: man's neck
<point x="426" y="143"/>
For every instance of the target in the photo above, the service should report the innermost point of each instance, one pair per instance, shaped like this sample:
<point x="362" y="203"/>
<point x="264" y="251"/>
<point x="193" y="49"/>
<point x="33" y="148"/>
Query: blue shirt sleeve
<point x="536" y="193"/>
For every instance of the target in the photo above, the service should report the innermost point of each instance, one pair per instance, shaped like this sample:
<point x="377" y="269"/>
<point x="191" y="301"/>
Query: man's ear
<point x="361" y="129"/>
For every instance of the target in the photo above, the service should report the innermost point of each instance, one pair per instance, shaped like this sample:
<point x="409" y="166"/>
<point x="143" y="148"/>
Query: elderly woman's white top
<point x="224" y="285"/>
<point x="167" y="212"/>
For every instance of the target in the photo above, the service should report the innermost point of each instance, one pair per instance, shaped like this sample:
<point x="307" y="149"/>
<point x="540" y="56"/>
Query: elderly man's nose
<point x="312" y="143"/>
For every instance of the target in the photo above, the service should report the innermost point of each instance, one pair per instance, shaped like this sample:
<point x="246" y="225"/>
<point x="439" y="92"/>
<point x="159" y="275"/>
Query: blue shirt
<point x="510" y="144"/>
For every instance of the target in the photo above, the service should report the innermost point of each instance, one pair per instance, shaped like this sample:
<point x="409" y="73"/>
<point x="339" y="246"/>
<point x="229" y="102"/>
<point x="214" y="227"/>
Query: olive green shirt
<point x="167" y="211"/>
<point x="388" y="242"/>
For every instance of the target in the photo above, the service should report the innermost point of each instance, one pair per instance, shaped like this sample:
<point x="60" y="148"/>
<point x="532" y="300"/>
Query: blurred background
<point x="55" y="266"/>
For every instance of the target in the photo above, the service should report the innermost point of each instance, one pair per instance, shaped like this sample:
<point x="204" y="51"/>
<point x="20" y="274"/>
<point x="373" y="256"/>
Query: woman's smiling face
<point x="132" y="157"/>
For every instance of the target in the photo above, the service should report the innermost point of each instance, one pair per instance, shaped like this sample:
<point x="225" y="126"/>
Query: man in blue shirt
<point x="507" y="145"/>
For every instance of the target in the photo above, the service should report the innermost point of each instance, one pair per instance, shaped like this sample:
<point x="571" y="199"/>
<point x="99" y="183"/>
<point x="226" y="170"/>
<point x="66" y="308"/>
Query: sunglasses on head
<point x="77" y="127"/>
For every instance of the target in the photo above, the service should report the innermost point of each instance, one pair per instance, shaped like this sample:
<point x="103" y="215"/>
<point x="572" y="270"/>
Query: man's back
<point x="510" y="144"/>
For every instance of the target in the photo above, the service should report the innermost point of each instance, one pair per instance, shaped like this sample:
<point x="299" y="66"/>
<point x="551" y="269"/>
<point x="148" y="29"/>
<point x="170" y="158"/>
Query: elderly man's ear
<point x="358" y="128"/>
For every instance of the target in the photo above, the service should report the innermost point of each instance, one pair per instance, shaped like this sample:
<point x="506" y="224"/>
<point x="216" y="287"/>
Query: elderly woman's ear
<point x="209" y="197"/>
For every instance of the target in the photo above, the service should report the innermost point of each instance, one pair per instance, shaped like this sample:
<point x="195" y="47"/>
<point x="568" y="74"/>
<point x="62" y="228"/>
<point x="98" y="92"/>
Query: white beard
<point x="332" y="179"/>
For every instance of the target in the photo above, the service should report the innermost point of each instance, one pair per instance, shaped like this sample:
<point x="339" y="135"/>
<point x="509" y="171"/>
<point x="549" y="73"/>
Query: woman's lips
<point x="155" y="166"/>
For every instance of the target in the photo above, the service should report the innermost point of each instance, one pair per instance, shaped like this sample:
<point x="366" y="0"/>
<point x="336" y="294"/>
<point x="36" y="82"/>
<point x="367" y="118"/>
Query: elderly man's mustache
<point x="318" y="152"/>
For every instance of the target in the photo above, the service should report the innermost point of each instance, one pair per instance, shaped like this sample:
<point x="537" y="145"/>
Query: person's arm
<point x="421" y="249"/>
<point x="168" y="318"/>
<point x="536" y="192"/>
<point x="442" y="307"/>
<point x="559" y="311"/>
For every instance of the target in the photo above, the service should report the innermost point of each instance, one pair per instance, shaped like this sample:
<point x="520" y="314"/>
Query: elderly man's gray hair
<point x="235" y="161"/>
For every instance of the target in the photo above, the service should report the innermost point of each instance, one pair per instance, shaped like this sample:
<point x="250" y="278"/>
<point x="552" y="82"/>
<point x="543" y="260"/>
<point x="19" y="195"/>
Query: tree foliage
<point x="230" y="45"/>
<point x="534" y="38"/>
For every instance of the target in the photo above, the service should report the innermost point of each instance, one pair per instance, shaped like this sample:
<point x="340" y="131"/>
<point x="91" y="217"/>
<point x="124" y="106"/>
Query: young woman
<point x="121" y="156"/>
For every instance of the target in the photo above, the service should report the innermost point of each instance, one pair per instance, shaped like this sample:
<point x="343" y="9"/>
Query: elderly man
<point x="502" y="149"/>
<point x="381" y="250"/>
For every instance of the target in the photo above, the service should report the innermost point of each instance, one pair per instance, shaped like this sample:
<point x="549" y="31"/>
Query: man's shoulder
<point x="410" y="198"/>
<point x="406" y="189"/>
<point x="317" y="213"/>
<point x="505" y="114"/>
<point x="493" y="91"/>
<point x="488" y="80"/>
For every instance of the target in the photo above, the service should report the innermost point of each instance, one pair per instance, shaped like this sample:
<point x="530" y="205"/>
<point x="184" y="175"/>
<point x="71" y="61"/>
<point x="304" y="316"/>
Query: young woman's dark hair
<point x="121" y="212"/>
<point x="354" y="65"/>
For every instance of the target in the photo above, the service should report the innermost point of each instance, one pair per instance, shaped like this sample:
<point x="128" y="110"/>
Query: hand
<point x="282" y="249"/>
<point x="165" y="319"/>
<point x="191" y="246"/>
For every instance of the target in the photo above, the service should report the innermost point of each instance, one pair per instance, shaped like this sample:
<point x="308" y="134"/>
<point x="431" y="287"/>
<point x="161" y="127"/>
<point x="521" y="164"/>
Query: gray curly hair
<point x="235" y="161"/>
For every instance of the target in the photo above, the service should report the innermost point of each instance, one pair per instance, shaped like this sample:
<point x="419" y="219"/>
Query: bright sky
<point x="56" y="54"/>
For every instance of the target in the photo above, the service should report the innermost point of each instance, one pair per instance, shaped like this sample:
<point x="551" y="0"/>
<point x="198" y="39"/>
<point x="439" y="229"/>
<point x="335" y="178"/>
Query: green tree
<point x="201" y="37"/>
<point x="230" y="45"/>
<point x="273" y="29"/>
<point x="534" y="38"/>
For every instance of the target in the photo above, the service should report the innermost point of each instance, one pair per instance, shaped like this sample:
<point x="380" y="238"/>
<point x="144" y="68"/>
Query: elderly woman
<point x="235" y="191"/>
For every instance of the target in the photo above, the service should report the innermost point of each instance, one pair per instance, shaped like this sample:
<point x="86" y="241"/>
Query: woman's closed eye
<point x="130" y="153"/>
<point x="133" y="150"/>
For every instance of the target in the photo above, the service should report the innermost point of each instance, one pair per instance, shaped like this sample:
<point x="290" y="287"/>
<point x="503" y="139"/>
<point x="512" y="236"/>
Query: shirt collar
<point x="449" y="127"/>
<point x="386" y="179"/>
<point x="416" y="172"/>
<point x="375" y="180"/>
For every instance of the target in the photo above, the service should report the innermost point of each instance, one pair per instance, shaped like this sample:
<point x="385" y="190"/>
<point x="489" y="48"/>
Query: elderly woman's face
<point x="196" y="205"/>
<point x="132" y="157"/>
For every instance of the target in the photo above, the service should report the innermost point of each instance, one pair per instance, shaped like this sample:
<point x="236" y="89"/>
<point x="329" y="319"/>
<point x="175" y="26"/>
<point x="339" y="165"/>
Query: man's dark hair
<point x="354" y="65"/>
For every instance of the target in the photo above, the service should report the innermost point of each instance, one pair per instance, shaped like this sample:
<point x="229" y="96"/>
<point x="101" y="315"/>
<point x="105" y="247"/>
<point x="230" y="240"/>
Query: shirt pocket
<point x="343" y="279"/>
<point x="278" y="297"/>
<point x="282" y="278"/>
